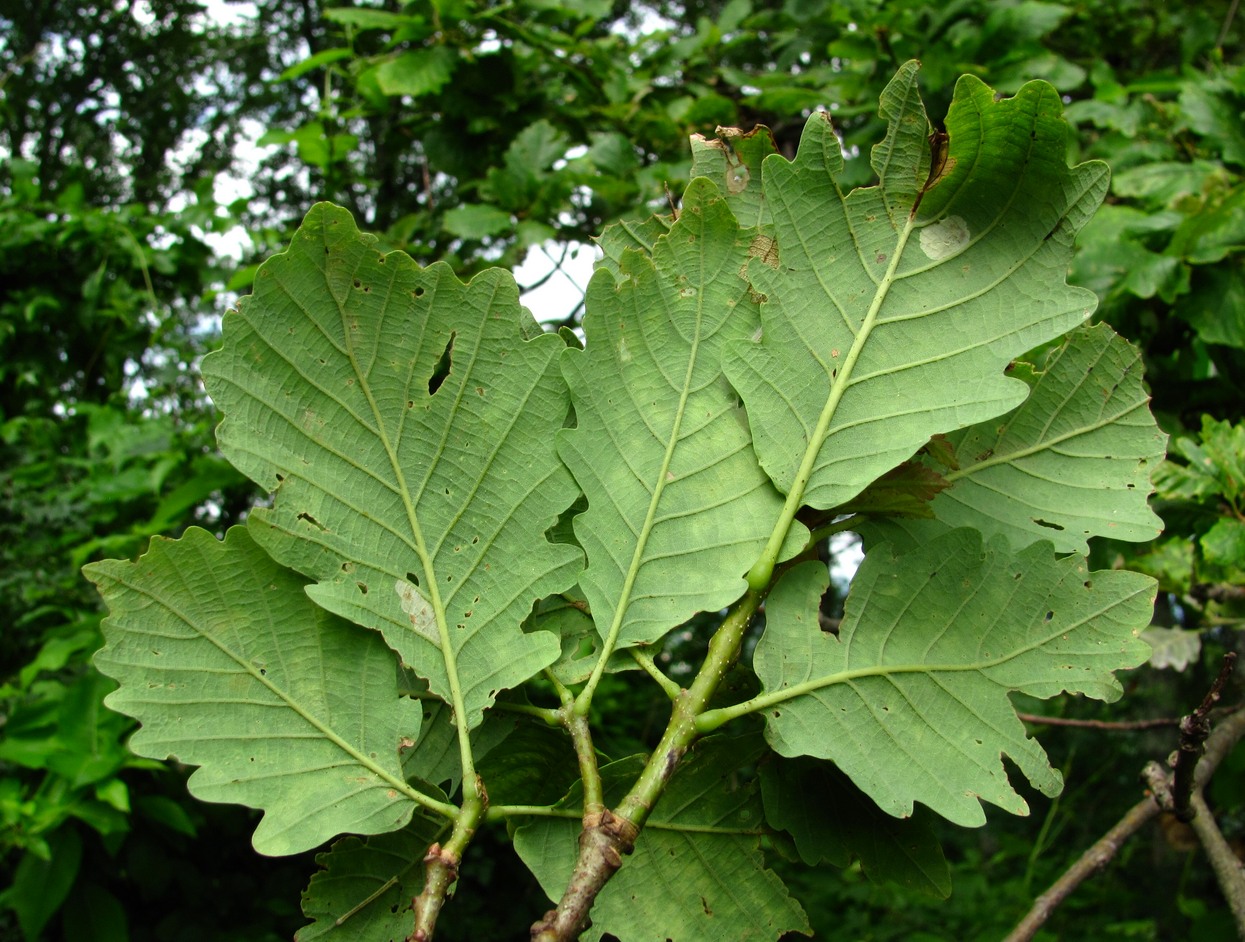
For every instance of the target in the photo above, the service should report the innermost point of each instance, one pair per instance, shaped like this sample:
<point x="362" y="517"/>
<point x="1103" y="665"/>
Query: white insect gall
<point x="945" y="238"/>
<point x="423" y="619"/>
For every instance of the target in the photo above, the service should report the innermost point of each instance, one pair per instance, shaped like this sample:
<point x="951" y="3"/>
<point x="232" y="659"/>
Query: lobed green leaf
<point x="223" y="660"/>
<point x="407" y="427"/>
<point x="910" y="699"/>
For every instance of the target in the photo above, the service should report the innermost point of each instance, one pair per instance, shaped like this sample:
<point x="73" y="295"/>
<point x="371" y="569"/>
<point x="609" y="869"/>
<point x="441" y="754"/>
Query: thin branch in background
<point x="1194" y="729"/>
<point x="1098" y="724"/>
<point x="544" y="279"/>
<point x="1227" y="25"/>
<point x="1229" y="871"/>
<point x="1098" y="856"/>
<point x="1220" y="742"/>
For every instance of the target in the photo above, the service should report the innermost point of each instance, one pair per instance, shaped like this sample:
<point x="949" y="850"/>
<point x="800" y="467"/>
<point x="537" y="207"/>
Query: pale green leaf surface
<point x="364" y="890"/>
<point x="1172" y="647"/>
<point x="223" y="659"/>
<point x="892" y="311"/>
<point x="1073" y="461"/>
<point x="911" y="699"/>
<point x="324" y="379"/>
<point x="627" y="235"/>
<point x="435" y="757"/>
<point x="733" y="162"/>
<point x="832" y="821"/>
<point x="475" y="221"/>
<point x="417" y="72"/>
<point x="677" y="508"/>
<point x="697" y="866"/>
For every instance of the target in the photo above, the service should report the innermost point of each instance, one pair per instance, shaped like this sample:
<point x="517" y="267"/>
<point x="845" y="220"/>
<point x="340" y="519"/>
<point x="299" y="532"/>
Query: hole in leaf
<point x="308" y="518"/>
<point x="412" y="579"/>
<point x="1050" y="615"/>
<point x="418" y="292"/>
<point x="1046" y="523"/>
<point x="362" y="587"/>
<point x="442" y="369"/>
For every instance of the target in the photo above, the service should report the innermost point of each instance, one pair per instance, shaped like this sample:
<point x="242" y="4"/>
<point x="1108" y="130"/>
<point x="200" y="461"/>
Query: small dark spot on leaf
<point x="1089" y="584"/>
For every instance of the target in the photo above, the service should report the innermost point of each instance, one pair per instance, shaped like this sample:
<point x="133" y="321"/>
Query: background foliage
<point x="477" y="133"/>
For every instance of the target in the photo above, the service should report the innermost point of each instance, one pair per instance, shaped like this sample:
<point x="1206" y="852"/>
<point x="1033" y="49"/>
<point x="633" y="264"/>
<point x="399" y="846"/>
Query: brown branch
<point x="1194" y="729"/>
<point x="1220" y="742"/>
<point x="441" y="865"/>
<point x="602" y="844"/>
<point x="440" y="872"/>
<point x="604" y="841"/>
<point x="1229" y="871"/>
<point x="1098" y="856"/>
<point x="1098" y="724"/>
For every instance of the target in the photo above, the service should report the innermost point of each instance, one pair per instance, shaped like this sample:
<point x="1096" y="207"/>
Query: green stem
<point x="586" y="753"/>
<point x="646" y="662"/>
<point x="608" y="836"/>
<point x="552" y="717"/>
<point x="682" y="730"/>
<point x="441" y="867"/>
<point x="760" y="575"/>
<point x="830" y="529"/>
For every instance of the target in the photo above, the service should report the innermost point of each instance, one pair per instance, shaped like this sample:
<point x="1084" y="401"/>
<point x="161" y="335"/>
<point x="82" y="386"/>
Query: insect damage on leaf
<point x="944" y="238"/>
<point x="423" y="619"/>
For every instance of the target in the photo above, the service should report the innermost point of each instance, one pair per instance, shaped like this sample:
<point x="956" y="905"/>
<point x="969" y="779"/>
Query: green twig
<point x="441" y="864"/>
<point x="586" y="753"/>
<point x="608" y="837"/>
<point x="646" y="662"/>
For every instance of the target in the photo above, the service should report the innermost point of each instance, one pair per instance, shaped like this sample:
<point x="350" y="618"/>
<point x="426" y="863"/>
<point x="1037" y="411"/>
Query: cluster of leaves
<point x="112" y="105"/>
<point x="781" y="361"/>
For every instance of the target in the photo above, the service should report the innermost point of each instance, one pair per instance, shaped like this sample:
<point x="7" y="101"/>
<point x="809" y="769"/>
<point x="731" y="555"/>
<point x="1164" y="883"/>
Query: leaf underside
<point x="890" y="312"/>
<point x="223" y="659"/>
<point x="407" y="428"/>
<point x="910" y="699"/>
<point x="364" y="890"/>
<point x="677" y="508"/>
<point x="1073" y="461"/>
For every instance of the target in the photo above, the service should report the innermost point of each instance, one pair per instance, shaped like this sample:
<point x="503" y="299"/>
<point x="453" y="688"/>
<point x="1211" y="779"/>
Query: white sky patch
<point x="563" y="288"/>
